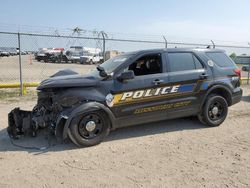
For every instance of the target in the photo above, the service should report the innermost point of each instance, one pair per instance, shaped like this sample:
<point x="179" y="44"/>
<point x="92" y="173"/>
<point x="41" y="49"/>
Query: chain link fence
<point x="20" y="63"/>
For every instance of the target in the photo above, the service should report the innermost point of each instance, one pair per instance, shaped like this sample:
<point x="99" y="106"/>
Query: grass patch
<point x="14" y="94"/>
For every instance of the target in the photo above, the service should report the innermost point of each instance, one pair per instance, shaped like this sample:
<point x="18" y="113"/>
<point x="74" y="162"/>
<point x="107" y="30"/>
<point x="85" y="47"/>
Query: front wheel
<point x="89" y="129"/>
<point x="214" y="112"/>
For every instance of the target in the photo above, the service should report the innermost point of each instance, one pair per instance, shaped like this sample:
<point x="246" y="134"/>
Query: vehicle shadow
<point x="44" y="143"/>
<point x="245" y="98"/>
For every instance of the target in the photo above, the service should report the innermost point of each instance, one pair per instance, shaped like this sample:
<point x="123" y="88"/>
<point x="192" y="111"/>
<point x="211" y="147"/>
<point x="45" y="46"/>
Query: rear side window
<point x="183" y="61"/>
<point x="220" y="59"/>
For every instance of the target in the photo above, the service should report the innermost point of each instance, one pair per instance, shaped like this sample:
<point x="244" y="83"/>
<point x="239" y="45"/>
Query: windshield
<point x="111" y="64"/>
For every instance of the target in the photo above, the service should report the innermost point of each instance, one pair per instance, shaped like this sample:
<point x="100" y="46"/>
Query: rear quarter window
<point x="220" y="59"/>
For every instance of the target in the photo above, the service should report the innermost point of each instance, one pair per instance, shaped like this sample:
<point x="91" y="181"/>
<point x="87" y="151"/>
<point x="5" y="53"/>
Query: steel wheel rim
<point x="83" y="130"/>
<point x="216" y="111"/>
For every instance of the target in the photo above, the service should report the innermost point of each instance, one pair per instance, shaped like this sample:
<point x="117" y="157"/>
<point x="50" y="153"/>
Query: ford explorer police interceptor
<point x="133" y="88"/>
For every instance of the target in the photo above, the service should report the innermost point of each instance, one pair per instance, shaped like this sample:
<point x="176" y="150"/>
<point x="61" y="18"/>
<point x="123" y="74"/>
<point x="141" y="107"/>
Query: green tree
<point x="233" y="55"/>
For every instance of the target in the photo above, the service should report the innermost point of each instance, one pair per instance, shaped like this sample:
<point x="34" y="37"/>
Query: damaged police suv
<point x="133" y="88"/>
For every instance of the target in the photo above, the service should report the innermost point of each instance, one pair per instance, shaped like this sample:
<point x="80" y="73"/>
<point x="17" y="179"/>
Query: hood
<point x="68" y="78"/>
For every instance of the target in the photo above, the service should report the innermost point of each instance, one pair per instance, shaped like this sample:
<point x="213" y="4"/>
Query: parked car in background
<point x="245" y="67"/>
<point x="74" y="56"/>
<point x="243" y="59"/>
<point x="5" y="53"/>
<point x="90" y="58"/>
<point x="13" y="51"/>
<point x="40" y="55"/>
<point x="48" y="54"/>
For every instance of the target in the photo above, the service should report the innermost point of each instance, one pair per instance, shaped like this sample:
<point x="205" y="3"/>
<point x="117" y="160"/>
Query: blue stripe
<point x="204" y="85"/>
<point x="186" y="88"/>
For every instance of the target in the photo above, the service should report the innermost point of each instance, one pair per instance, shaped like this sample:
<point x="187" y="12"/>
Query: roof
<point x="177" y="50"/>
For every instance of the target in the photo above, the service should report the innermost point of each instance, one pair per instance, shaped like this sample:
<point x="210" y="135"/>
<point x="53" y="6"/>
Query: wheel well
<point x="224" y="93"/>
<point x="107" y="118"/>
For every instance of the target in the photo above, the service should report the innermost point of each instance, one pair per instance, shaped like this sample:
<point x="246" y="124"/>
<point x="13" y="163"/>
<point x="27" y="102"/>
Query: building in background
<point x="112" y="53"/>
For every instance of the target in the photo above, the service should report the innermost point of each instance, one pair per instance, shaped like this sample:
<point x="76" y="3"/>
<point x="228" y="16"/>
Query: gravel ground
<point x="175" y="153"/>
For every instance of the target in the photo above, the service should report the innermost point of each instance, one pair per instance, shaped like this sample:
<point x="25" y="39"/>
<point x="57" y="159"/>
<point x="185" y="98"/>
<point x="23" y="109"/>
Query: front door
<point x="136" y="100"/>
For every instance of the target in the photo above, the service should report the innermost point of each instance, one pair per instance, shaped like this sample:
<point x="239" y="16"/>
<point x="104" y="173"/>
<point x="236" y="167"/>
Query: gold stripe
<point x="132" y="101"/>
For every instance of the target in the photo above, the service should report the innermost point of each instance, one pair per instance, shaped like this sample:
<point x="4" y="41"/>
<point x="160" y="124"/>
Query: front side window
<point x="183" y="62"/>
<point x="147" y="64"/>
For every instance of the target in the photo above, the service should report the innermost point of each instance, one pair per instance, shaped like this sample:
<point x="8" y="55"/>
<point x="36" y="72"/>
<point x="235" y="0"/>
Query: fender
<point x="87" y="107"/>
<point x="214" y="87"/>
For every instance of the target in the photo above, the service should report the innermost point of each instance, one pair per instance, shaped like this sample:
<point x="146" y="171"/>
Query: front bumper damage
<point x="23" y="123"/>
<point x="20" y="123"/>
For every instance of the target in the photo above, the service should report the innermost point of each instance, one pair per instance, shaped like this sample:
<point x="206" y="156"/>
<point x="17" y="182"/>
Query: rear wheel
<point x="89" y="129"/>
<point x="214" y="111"/>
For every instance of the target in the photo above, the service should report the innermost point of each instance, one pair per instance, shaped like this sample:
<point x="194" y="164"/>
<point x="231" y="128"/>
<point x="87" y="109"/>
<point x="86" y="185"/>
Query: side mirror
<point x="128" y="75"/>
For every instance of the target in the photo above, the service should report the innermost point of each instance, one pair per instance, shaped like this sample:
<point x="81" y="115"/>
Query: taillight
<point x="238" y="72"/>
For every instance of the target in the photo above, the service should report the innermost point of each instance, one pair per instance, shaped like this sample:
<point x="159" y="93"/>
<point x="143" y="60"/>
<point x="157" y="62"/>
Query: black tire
<point x="214" y="111"/>
<point x="244" y="69"/>
<point x="79" y="134"/>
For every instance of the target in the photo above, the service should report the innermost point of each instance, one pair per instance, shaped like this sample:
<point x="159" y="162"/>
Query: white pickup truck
<point x="91" y="56"/>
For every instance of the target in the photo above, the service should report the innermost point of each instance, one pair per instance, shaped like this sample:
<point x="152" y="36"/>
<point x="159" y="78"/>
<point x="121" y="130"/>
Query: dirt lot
<point x="176" y="153"/>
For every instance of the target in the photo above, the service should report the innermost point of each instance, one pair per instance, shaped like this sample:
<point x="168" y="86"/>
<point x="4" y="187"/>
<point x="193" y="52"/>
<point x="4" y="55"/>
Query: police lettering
<point x="150" y="92"/>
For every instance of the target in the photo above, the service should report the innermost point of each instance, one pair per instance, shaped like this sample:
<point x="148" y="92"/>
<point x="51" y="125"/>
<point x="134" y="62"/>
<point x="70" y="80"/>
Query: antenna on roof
<point x="166" y="42"/>
<point x="213" y="44"/>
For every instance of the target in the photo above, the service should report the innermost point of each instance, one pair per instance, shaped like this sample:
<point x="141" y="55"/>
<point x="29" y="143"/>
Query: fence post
<point x="248" y="72"/>
<point x="20" y="65"/>
<point x="166" y="42"/>
<point x="103" y="43"/>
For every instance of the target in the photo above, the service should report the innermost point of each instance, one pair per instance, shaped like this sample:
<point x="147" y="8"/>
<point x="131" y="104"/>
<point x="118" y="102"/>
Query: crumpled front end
<point x="58" y="96"/>
<point x="20" y="123"/>
<point x="51" y="112"/>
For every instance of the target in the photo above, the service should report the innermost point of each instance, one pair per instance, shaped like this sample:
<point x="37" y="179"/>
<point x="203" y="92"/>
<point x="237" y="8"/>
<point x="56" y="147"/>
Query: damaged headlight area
<point x="49" y="110"/>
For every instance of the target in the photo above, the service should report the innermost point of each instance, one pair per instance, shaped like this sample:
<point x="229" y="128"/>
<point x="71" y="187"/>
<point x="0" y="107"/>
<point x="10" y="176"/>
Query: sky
<point x="220" y="20"/>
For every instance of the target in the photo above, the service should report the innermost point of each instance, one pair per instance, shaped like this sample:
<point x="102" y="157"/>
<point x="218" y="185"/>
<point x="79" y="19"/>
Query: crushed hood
<point x="68" y="78"/>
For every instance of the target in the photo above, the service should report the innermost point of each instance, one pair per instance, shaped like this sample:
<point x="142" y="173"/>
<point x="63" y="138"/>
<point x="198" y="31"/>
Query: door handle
<point x="157" y="82"/>
<point x="203" y="76"/>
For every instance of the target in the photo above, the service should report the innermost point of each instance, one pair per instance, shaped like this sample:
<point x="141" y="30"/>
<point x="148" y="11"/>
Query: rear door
<point x="186" y="70"/>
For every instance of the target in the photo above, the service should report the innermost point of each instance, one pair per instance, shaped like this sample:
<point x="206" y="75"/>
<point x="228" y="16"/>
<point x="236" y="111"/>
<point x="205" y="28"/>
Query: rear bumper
<point x="236" y="97"/>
